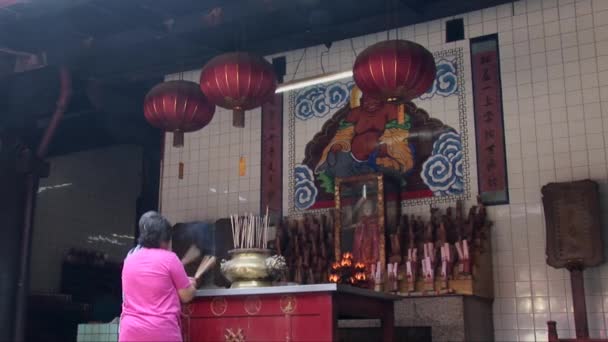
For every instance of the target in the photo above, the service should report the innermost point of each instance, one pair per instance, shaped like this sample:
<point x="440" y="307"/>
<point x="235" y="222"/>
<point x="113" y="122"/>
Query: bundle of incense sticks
<point x="191" y="254"/>
<point x="410" y="264"/>
<point x="462" y="248"/>
<point x="206" y="264"/>
<point x="428" y="263"/>
<point x="249" y="231"/>
<point x="446" y="258"/>
<point x="376" y="273"/>
<point x="391" y="273"/>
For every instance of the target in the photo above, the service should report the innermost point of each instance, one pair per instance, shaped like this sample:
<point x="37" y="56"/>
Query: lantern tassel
<point x="178" y="139"/>
<point x="238" y="118"/>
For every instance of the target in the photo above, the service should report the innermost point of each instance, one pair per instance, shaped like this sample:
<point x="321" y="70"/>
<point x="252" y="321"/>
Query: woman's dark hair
<point x="155" y="230"/>
<point x="144" y="218"/>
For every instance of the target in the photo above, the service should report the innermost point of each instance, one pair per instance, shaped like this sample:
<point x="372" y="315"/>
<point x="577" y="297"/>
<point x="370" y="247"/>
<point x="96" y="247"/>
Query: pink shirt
<point x="151" y="306"/>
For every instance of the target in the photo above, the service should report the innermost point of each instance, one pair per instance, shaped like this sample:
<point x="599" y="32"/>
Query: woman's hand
<point x="192" y="281"/>
<point x="187" y="294"/>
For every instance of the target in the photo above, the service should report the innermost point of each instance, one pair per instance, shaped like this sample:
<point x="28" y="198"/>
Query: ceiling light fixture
<point x="307" y="82"/>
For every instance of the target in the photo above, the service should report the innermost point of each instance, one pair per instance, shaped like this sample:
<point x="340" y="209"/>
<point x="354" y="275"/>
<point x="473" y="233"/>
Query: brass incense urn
<point x="251" y="267"/>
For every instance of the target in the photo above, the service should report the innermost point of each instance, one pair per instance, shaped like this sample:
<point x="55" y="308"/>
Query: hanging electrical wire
<point x="352" y="46"/>
<point x="326" y="52"/>
<point x="298" y="65"/>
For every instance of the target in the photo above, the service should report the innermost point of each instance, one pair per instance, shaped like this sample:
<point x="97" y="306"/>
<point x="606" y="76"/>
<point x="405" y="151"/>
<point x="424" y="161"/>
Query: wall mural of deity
<point x="349" y="134"/>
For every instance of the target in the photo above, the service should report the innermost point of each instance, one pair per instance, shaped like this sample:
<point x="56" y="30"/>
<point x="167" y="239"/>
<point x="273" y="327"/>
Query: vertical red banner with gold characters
<point x="489" y="121"/>
<point x="272" y="156"/>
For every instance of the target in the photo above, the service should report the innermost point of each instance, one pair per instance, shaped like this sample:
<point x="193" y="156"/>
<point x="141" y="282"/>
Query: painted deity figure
<point x="372" y="135"/>
<point x="366" y="247"/>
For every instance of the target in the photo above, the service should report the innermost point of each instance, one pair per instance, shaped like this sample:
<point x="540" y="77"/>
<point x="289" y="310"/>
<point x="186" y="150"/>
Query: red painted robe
<point x="366" y="246"/>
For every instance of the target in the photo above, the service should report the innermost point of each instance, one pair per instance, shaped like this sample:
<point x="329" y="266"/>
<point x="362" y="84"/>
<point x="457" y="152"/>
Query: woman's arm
<point x="185" y="286"/>
<point x="187" y="294"/>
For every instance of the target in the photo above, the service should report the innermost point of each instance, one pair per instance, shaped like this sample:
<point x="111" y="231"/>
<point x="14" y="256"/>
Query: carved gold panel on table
<point x="288" y="304"/>
<point x="572" y="214"/>
<point x="253" y="305"/>
<point x="219" y="306"/>
<point x="234" y="335"/>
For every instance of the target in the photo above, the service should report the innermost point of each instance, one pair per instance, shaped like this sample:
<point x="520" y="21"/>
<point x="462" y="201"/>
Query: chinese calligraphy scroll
<point x="272" y="156"/>
<point x="489" y="124"/>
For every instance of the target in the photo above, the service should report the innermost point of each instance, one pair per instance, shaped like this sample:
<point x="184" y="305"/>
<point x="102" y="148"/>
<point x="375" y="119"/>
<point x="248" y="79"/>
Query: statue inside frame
<point x="360" y="219"/>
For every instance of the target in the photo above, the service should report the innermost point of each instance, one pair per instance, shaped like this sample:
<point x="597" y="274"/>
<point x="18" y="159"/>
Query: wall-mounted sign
<point x="272" y="156"/>
<point x="489" y="123"/>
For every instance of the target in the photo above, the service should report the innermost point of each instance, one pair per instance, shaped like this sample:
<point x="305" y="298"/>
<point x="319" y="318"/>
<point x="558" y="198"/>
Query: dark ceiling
<point x="139" y="39"/>
<point x="118" y="49"/>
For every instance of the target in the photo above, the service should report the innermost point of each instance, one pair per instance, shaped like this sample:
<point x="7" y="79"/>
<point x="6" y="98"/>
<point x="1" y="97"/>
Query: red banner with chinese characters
<point x="272" y="156"/>
<point x="489" y="123"/>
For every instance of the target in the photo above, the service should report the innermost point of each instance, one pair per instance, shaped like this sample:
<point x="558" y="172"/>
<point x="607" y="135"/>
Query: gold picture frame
<point x="355" y="197"/>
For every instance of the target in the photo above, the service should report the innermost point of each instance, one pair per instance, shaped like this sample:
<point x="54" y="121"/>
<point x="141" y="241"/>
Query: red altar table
<point x="303" y="313"/>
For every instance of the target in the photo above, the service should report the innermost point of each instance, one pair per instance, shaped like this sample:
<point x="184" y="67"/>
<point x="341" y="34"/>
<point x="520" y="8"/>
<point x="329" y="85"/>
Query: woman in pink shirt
<point x="153" y="283"/>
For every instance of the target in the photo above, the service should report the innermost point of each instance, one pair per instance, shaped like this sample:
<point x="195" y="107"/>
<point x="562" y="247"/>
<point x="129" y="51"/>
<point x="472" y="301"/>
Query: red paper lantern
<point x="394" y="70"/>
<point x="178" y="107"/>
<point x="239" y="81"/>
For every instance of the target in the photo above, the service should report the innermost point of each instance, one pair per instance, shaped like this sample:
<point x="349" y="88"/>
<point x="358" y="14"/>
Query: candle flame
<point x="346" y="262"/>
<point x="360" y="276"/>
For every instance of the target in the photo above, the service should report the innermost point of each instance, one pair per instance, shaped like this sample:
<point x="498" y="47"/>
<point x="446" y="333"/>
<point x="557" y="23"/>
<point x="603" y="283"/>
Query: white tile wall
<point x="211" y="187"/>
<point x="555" y="83"/>
<point x="98" y="332"/>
